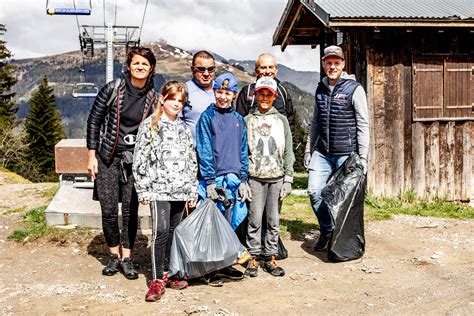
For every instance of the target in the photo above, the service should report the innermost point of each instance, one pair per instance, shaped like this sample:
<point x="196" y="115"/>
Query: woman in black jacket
<point x="112" y="126"/>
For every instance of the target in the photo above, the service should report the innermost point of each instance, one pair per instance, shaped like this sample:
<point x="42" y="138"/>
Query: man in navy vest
<point x="339" y="127"/>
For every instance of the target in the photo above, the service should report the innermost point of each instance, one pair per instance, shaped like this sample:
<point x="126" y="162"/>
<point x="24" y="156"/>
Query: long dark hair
<point x="146" y="53"/>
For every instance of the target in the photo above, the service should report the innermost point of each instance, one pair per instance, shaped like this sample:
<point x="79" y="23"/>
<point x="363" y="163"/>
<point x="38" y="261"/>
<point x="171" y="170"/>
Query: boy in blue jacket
<point x="221" y="143"/>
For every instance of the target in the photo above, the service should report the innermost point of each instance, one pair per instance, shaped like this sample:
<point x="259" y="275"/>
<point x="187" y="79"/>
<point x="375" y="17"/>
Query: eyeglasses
<point x="203" y="69"/>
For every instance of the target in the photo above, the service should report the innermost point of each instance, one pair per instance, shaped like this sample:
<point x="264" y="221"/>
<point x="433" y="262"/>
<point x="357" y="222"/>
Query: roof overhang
<point x="304" y="22"/>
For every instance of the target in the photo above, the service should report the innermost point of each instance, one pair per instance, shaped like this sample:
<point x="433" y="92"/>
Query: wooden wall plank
<point x="407" y="127"/>
<point x="418" y="154"/>
<point x="443" y="155"/>
<point x="380" y="161"/>
<point x="458" y="161"/>
<point x="432" y="160"/>
<point x="449" y="165"/>
<point x="467" y="162"/>
<point x="398" y="154"/>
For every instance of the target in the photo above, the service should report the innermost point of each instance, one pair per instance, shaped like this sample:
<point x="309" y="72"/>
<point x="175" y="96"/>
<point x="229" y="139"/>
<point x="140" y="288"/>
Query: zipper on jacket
<point x="329" y="123"/>
<point x="118" y="126"/>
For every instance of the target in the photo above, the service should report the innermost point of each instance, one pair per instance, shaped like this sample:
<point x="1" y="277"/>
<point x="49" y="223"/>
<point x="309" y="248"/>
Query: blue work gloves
<point x="285" y="190"/>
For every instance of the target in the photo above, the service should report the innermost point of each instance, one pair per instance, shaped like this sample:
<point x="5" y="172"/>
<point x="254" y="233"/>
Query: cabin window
<point x="443" y="88"/>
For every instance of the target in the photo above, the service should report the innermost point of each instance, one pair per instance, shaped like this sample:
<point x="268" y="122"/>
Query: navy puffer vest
<point x="337" y="122"/>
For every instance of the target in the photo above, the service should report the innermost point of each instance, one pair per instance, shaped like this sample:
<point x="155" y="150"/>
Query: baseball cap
<point x="333" y="50"/>
<point x="226" y="81"/>
<point x="266" y="83"/>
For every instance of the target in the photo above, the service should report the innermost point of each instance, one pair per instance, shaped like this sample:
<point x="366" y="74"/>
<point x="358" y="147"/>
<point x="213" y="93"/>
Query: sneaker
<point x="173" y="283"/>
<point x="212" y="280"/>
<point x="230" y="273"/>
<point x="271" y="266"/>
<point x="157" y="288"/>
<point x="252" y="267"/>
<point x="323" y="241"/>
<point x="112" y="266"/>
<point x="128" y="270"/>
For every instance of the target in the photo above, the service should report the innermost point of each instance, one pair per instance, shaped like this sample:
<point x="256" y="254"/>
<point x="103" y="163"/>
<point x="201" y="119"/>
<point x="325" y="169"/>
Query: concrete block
<point x="71" y="156"/>
<point x="74" y="206"/>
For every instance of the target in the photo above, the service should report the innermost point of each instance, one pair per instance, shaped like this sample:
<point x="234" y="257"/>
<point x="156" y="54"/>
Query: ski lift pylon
<point x="85" y="90"/>
<point x="58" y="8"/>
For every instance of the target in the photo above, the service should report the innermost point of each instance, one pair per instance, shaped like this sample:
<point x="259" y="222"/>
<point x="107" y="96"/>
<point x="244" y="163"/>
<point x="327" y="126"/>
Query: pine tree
<point x="7" y="81"/>
<point x="44" y="129"/>
<point x="299" y="144"/>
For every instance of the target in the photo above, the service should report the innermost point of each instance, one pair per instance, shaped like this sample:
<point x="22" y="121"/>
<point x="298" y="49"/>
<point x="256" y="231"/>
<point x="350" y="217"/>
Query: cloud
<point x="234" y="29"/>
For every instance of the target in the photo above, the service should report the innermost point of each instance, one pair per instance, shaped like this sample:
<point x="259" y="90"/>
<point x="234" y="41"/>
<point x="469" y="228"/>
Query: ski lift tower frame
<point x="110" y="36"/>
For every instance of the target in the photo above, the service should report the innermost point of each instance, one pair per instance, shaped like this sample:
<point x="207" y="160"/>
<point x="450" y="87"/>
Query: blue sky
<point x="234" y="29"/>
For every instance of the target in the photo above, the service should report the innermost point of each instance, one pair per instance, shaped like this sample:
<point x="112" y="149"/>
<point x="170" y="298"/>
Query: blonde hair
<point x="170" y="90"/>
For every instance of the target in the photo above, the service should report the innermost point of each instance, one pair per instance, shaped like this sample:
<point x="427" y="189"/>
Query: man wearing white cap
<point x="340" y="126"/>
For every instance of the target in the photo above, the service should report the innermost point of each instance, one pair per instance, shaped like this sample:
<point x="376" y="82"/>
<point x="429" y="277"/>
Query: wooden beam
<point x="285" y="41"/>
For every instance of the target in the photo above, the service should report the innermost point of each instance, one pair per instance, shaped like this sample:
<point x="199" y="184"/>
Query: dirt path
<point x="412" y="266"/>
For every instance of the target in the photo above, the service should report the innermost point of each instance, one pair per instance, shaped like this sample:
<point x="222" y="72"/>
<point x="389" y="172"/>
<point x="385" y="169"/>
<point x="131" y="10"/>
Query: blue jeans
<point x="320" y="169"/>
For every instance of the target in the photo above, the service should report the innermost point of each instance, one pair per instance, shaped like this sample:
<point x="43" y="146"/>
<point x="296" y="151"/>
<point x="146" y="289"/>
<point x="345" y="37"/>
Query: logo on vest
<point x="340" y="96"/>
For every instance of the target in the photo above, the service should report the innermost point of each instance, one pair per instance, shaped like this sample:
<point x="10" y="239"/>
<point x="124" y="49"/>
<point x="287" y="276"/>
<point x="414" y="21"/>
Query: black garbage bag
<point x="203" y="242"/>
<point x="344" y="195"/>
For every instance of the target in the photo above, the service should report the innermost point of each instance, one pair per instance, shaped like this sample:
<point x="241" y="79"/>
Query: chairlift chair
<point x="85" y="90"/>
<point x="84" y="7"/>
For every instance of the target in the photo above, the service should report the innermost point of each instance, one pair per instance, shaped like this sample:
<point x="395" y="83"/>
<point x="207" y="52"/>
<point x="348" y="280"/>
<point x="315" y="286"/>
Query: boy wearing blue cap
<point x="221" y="143"/>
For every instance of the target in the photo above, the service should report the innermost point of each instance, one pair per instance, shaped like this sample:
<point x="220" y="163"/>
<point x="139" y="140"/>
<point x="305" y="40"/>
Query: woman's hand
<point x="192" y="203"/>
<point x="92" y="164"/>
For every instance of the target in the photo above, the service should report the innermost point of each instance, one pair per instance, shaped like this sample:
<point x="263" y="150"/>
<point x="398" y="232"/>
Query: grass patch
<point x="8" y="177"/>
<point x="35" y="222"/>
<point x="380" y="208"/>
<point x="300" y="181"/>
<point x="15" y="210"/>
<point x="51" y="192"/>
<point x="297" y="217"/>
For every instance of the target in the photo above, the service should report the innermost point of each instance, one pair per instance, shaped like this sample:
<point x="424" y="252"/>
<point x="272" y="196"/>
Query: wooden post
<point x="418" y="154"/>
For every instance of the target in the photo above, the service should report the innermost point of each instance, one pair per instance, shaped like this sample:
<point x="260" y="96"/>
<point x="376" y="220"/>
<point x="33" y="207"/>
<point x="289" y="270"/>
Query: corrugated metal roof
<point x="399" y="9"/>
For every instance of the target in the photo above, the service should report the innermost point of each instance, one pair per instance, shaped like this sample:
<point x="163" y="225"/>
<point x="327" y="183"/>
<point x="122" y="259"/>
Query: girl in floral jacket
<point x="165" y="170"/>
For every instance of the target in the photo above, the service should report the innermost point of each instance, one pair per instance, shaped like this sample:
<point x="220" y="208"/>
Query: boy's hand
<point x="285" y="190"/>
<point x="211" y="191"/>
<point x="244" y="192"/>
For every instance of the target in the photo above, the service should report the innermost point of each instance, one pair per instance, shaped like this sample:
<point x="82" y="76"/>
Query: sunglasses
<point x="203" y="69"/>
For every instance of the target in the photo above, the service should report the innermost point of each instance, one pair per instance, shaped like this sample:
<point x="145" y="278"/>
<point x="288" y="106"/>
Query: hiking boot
<point x="230" y="273"/>
<point x="271" y="266"/>
<point x="157" y="288"/>
<point x="112" y="266"/>
<point x="173" y="283"/>
<point x="212" y="280"/>
<point x="128" y="270"/>
<point x="252" y="267"/>
<point x="323" y="241"/>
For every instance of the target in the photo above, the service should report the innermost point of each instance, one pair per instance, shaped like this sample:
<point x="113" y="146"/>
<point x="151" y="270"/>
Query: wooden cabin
<point x="415" y="60"/>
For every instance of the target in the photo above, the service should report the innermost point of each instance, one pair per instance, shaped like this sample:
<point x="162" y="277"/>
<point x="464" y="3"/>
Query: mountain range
<point x="65" y="70"/>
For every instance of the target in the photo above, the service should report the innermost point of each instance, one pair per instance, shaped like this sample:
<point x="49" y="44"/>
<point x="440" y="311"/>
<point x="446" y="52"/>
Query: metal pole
<point x="109" y="72"/>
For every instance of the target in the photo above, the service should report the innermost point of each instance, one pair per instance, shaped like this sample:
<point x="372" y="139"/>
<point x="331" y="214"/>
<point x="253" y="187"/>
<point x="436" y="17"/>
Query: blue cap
<point x="226" y="81"/>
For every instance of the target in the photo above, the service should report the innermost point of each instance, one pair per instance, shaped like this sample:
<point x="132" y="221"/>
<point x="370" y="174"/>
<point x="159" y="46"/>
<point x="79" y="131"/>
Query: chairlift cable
<point x="115" y="18"/>
<point x="77" y="19"/>
<point x="143" y="20"/>
<point x="103" y="1"/>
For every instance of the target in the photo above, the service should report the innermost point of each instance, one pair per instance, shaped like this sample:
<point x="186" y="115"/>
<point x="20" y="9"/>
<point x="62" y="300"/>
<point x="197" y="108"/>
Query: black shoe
<point x="112" y="266"/>
<point x="128" y="270"/>
<point x="230" y="273"/>
<point x="252" y="267"/>
<point x="272" y="267"/>
<point x="212" y="280"/>
<point x="323" y="241"/>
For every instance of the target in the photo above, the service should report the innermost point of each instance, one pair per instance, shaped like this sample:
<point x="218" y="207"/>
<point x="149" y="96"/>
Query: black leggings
<point x="165" y="216"/>
<point x="109" y="187"/>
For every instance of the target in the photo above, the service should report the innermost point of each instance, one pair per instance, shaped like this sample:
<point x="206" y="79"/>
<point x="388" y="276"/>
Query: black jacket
<point x="104" y="118"/>
<point x="246" y="103"/>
